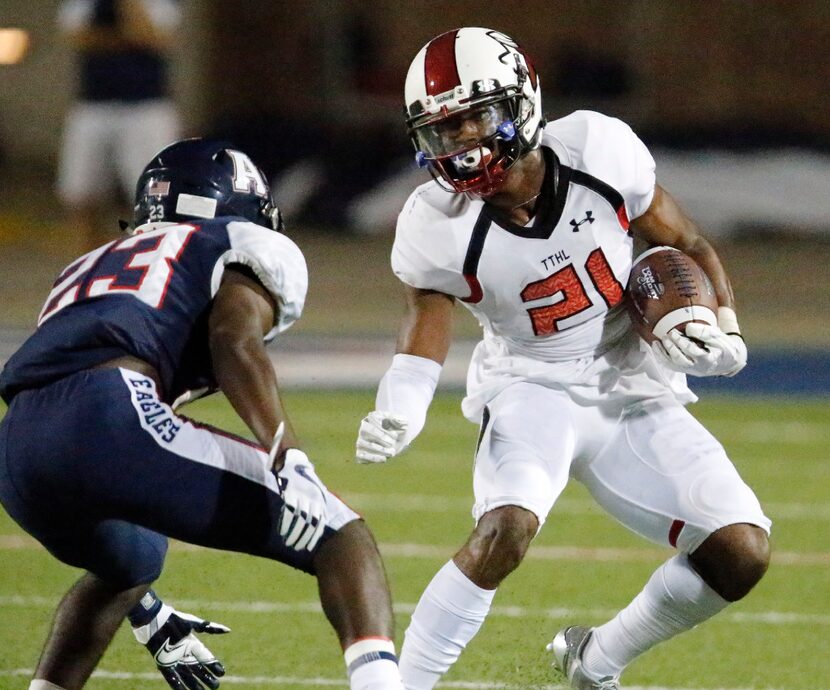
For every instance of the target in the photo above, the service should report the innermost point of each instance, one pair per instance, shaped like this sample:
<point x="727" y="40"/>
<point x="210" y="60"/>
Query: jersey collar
<point x="552" y="202"/>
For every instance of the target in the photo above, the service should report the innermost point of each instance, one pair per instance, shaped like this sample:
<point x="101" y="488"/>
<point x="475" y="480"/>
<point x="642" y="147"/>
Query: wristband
<point x="728" y="321"/>
<point x="143" y="633"/>
<point x="145" y="610"/>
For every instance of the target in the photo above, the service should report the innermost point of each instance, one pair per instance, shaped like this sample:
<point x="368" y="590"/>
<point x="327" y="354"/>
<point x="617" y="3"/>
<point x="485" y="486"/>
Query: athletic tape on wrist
<point x="728" y="321"/>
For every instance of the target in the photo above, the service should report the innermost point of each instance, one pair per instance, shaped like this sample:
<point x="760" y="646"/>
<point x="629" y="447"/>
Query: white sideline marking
<point x="22" y="542"/>
<point x="340" y="683"/>
<point x="555" y="613"/>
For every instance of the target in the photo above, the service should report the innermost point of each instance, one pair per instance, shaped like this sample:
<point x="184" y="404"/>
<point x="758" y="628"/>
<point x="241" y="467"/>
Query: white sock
<point x="372" y="665"/>
<point x="675" y="599"/>
<point x="43" y="685"/>
<point x="447" y="617"/>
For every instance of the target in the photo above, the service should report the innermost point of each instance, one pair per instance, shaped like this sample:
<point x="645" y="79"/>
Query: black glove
<point x="180" y="656"/>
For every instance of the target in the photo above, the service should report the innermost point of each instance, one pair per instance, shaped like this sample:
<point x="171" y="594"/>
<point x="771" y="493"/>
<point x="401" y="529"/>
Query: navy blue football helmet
<point x="204" y="178"/>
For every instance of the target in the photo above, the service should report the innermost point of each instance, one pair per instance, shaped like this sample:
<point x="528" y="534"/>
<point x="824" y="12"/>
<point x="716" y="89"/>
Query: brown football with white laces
<point x="666" y="290"/>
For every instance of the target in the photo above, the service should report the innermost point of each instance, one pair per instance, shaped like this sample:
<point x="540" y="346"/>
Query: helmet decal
<point x="505" y="42"/>
<point x="511" y="48"/>
<point x="246" y="176"/>
<point x="158" y="188"/>
<point x="440" y="68"/>
<point x="195" y="206"/>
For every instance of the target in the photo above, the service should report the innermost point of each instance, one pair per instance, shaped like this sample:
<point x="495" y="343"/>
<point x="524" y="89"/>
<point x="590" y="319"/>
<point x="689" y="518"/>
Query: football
<point x="667" y="289"/>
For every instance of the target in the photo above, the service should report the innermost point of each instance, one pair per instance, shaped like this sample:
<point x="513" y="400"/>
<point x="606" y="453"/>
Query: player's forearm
<point x="665" y="223"/>
<point x="244" y="372"/>
<point x="706" y="257"/>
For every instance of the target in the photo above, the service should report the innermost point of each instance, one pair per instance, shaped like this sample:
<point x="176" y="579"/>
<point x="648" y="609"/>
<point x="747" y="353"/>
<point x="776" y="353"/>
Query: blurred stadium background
<point x="732" y="98"/>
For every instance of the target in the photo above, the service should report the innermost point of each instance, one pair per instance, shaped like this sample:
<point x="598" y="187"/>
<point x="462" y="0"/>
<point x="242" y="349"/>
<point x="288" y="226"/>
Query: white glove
<point x="381" y="436"/>
<point x="181" y="658"/>
<point x="704" y="351"/>
<point x="303" y="517"/>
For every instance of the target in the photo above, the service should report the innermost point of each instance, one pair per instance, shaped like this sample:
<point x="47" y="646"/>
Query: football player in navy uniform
<point x="98" y="466"/>
<point x="537" y="238"/>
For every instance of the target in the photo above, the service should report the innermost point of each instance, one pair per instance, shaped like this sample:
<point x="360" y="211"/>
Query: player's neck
<point x="519" y="196"/>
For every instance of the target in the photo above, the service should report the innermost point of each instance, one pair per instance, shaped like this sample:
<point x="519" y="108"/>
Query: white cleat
<point x="567" y="647"/>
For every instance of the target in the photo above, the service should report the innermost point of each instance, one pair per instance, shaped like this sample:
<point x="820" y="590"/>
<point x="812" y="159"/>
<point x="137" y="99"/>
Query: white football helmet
<point x="473" y="107"/>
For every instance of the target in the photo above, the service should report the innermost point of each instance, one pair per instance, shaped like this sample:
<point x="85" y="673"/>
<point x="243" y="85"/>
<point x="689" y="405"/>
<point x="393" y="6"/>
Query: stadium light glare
<point x="14" y="43"/>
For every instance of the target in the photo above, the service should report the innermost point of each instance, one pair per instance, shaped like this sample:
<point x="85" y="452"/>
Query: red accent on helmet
<point x="440" y="68"/>
<point x="531" y="70"/>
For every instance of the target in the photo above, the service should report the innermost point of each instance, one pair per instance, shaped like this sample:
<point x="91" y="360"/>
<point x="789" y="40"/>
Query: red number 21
<point x="575" y="299"/>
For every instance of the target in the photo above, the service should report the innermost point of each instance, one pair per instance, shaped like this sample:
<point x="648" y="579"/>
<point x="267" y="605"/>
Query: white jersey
<point x="549" y="295"/>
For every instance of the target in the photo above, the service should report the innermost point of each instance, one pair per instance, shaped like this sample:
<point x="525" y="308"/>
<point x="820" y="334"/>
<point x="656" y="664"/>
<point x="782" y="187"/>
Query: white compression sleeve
<point x="407" y="388"/>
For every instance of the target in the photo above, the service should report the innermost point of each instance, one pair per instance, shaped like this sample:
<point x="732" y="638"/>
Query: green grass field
<point x="582" y="567"/>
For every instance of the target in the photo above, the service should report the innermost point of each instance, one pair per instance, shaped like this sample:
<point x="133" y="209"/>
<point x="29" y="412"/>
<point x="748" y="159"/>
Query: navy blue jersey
<point x="149" y="296"/>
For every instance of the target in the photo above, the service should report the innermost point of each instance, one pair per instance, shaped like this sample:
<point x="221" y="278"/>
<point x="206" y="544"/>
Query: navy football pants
<point x="97" y="469"/>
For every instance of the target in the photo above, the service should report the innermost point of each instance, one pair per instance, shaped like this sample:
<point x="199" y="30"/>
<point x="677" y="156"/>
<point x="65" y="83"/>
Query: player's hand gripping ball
<point x="673" y="307"/>
<point x="668" y="290"/>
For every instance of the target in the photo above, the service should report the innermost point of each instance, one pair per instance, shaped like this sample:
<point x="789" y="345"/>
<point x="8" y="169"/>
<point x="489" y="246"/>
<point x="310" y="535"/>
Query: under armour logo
<point x="589" y="218"/>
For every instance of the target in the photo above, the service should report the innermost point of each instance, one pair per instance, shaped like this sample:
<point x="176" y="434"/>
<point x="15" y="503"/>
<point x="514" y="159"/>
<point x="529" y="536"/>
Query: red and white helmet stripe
<point x="440" y="68"/>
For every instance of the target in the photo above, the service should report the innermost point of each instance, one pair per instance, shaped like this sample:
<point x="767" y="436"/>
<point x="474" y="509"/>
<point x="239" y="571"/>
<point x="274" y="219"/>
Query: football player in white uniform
<point x="537" y="240"/>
